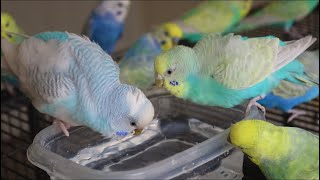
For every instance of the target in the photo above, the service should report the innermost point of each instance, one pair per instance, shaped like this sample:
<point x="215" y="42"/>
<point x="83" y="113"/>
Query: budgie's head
<point x="168" y="35"/>
<point x="172" y="68"/>
<point x="131" y="110"/>
<point x="119" y="9"/>
<point x="8" y="24"/>
<point x="256" y="138"/>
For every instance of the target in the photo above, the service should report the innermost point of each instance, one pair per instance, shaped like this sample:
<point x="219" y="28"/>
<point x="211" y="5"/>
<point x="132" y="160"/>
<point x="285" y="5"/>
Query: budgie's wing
<point x="137" y="66"/>
<point x="239" y="63"/>
<point x="216" y="16"/>
<point x="138" y="71"/>
<point x="277" y="12"/>
<point x="42" y="76"/>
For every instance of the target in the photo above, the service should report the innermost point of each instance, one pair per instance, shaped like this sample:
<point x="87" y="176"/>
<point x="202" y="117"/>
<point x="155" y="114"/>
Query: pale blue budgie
<point x="287" y="95"/>
<point x="72" y="79"/>
<point x="106" y="23"/>
<point x="227" y="70"/>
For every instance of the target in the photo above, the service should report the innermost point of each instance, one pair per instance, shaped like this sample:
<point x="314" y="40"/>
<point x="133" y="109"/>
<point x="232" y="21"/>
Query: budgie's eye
<point x="7" y="24"/>
<point x="120" y="4"/>
<point x="133" y="124"/>
<point x="169" y="71"/>
<point x="166" y="33"/>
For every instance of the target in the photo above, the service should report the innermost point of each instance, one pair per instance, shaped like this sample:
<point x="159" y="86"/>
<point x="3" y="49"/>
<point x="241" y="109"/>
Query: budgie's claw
<point x="63" y="126"/>
<point x="254" y="102"/>
<point x="295" y="113"/>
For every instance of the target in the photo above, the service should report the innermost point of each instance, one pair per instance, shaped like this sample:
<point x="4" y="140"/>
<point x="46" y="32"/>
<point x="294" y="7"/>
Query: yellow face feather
<point x="173" y="30"/>
<point x="8" y="24"/>
<point x="172" y="69"/>
<point x="172" y="35"/>
<point x="161" y="67"/>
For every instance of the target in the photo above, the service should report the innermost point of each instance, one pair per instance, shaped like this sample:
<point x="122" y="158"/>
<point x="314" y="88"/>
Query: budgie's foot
<point x="254" y="102"/>
<point x="63" y="126"/>
<point x="295" y="113"/>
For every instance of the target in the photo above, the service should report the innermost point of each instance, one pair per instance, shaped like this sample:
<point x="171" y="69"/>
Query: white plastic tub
<point x="187" y="141"/>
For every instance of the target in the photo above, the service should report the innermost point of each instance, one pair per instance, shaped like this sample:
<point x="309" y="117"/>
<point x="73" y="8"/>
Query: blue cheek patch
<point x="174" y="83"/>
<point x="121" y="133"/>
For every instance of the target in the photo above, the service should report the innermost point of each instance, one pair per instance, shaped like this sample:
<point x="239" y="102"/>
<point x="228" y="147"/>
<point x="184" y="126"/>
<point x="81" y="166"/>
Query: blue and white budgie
<point x="72" y="79"/>
<point x="283" y="13"/>
<point x="106" y="23"/>
<point x="287" y="95"/>
<point x="227" y="70"/>
<point x="136" y="66"/>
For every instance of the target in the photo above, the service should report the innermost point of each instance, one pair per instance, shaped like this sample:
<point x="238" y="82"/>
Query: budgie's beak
<point x="159" y="81"/>
<point x="137" y="131"/>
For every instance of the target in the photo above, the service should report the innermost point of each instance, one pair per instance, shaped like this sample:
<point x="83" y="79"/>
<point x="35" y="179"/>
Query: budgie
<point x="287" y="95"/>
<point x="283" y="13"/>
<point x="106" y="23"/>
<point x="136" y="66"/>
<point x="227" y="70"/>
<point x="8" y="24"/>
<point x="214" y="16"/>
<point x="280" y="152"/>
<point x="73" y="80"/>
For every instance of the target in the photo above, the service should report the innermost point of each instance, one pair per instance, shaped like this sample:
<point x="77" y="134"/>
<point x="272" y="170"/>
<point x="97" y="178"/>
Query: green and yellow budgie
<point x="8" y="24"/>
<point x="283" y="13"/>
<point x="227" y="70"/>
<point x="215" y="16"/>
<point x="212" y="17"/>
<point x="280" y="152"/>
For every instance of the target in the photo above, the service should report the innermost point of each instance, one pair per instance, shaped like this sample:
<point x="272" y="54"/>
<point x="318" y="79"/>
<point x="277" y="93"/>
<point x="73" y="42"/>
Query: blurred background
<point x="37" y="16"/>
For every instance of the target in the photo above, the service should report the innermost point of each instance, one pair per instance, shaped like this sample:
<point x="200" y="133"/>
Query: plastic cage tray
<point x="184" y="138"/>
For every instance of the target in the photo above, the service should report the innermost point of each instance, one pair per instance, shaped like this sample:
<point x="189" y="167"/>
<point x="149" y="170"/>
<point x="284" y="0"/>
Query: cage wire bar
<point x="20" y="122"/>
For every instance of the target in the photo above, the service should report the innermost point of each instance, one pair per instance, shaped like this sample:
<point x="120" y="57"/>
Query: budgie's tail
<point x="305" y="79"/>
<point x="291" y="51"/>
<point x="286" y="60"/>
